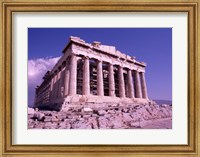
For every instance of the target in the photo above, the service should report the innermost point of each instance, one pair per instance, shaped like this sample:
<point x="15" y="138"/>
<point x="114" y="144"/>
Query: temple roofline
<point x="101" y="48"/>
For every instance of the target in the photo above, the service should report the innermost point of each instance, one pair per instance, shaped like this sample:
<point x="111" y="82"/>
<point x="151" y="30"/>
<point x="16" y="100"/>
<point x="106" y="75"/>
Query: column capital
<point x="85" y="57"/>
<point x="110" y="63"/>
<point x="63" y="63"/>
<point x="140" y="70"/>
<point x="59" y="68"/>
<point x="121" y="67"/>
<point x="73" y="54"/>
<point x="99" y="60"/>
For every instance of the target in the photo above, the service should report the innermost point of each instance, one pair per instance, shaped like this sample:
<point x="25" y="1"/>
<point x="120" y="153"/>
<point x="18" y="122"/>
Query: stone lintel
<point x="107" y="59"/>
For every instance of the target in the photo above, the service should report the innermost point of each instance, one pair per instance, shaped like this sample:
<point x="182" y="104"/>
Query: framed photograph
<point x="87" y="78"/>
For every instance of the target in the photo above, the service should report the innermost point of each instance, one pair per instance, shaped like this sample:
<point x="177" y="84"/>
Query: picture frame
<point x="11" y="7"/>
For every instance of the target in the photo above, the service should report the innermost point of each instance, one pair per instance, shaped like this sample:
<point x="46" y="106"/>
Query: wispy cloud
<point x="36" y="70"/>
<point x="38" y="67"/>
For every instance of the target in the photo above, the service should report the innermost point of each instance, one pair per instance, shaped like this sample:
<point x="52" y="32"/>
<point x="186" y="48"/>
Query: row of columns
<point x="140" y="86"/>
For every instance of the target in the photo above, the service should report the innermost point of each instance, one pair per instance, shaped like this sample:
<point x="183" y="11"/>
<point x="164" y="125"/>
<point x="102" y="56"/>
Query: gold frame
<point x="10" y="6"/>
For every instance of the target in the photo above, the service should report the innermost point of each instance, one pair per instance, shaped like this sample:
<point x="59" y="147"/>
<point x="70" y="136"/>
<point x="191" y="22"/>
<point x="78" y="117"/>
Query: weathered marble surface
<point x="110" y="116"/>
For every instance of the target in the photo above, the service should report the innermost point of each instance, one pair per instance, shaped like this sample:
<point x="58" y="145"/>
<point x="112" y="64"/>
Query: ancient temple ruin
<point x="92" y="73"/>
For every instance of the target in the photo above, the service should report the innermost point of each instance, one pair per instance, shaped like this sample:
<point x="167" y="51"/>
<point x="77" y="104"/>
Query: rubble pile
<point x="114" y="116"/>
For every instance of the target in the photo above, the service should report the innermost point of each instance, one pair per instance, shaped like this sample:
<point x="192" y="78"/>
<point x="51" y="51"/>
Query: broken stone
<point x="111" y="111"/>
<point x="125" y="110"/>
<point x="87" y="110"/>
<point x="64" y="125"/>
<point x="86" y="116"/>
<point x="47" y="119"/>
<point x="31" y="111"/>
<point x="106" y="117"/>
<point x="116" y="125"/>
<point x="50" y="125"/>
<point x="115" y="105"/>
<point x="39" y="116"/>
<point x="94" y="115"/>
<point x="127" y="117"/>
<point x="101" y="112"/>
<point x="54" y="119"/>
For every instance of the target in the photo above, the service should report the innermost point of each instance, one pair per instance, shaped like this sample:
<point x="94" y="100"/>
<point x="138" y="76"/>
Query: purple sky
<point x="150" y="45"/>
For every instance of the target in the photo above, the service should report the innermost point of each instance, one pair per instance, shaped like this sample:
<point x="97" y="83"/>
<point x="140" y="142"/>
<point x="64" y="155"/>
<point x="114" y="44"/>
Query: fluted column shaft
<point x="86" y="76"/>
<point x="111" y="81"/>
<point x="52" y="82"/>
<point x="138" y="91"/>
<point x="66" y="82"/>
<point x="59" y="83"/>
<point x="144" y="86"/>
<point x="121" y="82"/>
<point x="73" y="75"/>
<point x="100" y="90"/>
<point x="130" y="84"/>
<point x="51" y="89"/>
<point x="55" y="85"/>
<point x="62" y="81"/>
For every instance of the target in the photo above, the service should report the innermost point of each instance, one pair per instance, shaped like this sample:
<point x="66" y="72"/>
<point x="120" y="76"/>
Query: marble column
<point x="111" y="80"/>
<point x="144" y="86"/>
<point x="86" y="76"/>
<point x="100" y="90"/>
<point x="59" y="83"/>
<point x="66" y="83"/>
<point x="51" y="89"/>
<point x="121" y="82"/>
<point x="130" y="84"/>
<point x="55" y="84"/>
<point x="138" y="91"/>
<point x="62" y="81"/>
<point x="52" y="80"/>
<point x="73" y="75"/>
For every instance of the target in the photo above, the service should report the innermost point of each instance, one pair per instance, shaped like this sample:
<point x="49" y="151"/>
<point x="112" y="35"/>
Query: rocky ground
<point x="114" y="116"/>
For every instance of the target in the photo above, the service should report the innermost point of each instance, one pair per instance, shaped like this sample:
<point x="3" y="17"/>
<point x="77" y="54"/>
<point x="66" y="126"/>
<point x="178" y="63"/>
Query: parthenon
<point x="92" y="73"/>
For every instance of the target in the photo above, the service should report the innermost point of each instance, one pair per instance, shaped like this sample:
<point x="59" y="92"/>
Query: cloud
<point x="36" y="70"/>
<point x="38" y="67"/>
